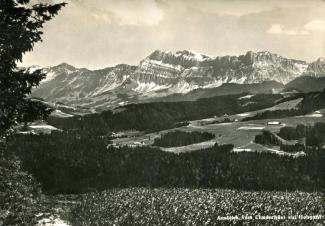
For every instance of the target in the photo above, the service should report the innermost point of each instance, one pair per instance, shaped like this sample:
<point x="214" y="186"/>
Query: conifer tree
<point x="21" y="26"/>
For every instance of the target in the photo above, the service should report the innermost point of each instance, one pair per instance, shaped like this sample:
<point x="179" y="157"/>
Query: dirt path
<point x="57" y="210"/>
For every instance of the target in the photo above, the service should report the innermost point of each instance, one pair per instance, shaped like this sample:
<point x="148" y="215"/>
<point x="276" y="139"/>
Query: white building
<point x="273" y="123"/>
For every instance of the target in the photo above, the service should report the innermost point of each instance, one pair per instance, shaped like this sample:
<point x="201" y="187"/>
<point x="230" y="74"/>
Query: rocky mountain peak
<point x="184" y="58"/>
<point x="192" y="55"/>
<point x="65" y="66"/>
<point x="316" y="68"/>
<point x="261" y="57"/>
<point x="321" y="60"/>
<point x="159" y="54"/>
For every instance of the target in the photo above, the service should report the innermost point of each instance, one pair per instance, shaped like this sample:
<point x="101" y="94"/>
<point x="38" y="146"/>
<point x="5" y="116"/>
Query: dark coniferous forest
<point x="68" y="163"/>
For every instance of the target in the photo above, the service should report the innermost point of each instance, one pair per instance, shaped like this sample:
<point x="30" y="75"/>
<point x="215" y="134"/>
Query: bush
<point x="19" y="194"/>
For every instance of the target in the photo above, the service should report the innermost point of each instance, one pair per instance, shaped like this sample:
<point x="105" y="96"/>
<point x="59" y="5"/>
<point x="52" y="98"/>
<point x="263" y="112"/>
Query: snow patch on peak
<point x="264" y="53"/>
<point x="160" y="63"/>
<point x="49" y="76"/>
<point x="239" y="81"/>
<point x="192" y="55"/>
<point x="34" y="68"/>
<point x="149" y="87"/>
<point x="183" y="87"/>
<point x="301" y="67"/>
<point x="109" y="83"/>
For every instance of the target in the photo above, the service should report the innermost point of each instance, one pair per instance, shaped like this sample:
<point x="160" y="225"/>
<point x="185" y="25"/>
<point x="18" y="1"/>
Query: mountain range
<point x="178" y="76"/>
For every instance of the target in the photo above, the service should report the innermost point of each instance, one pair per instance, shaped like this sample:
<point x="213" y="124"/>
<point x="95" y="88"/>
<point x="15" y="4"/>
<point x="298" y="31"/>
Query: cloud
<point x="315" y="25"/>
<point x="240" y="8"/>
<point x="126" y="12"/>
<point x="278" y="29"/>
<point x="101" y="33"/>
<point x="312" y="26"/>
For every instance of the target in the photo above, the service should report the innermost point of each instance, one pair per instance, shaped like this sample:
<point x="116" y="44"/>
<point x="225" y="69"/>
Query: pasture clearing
<point x="239" y="133"/>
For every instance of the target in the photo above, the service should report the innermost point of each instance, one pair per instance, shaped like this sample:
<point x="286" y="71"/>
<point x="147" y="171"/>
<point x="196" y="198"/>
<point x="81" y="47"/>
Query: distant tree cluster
<point x="293" y="133"/>
<point x="267" y="138"/>
<point x="306" y="136"/>
<point x="180" y="138"/>
<point x="314" y="135"/>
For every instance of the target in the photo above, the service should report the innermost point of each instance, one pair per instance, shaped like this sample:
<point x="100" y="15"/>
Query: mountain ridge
<point x="164" y="73"/>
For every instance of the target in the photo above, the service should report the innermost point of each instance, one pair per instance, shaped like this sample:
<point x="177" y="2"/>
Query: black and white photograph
<point x="162" y="112"/>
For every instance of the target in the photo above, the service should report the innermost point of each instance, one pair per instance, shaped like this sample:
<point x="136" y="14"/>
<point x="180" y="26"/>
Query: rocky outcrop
<point x="167" y="67"/>
<point x="316" y="68"/>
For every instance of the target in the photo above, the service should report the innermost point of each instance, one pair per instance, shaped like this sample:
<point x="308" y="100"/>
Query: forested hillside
<point x="310" y="103"/>
<point x="158" y="116"/>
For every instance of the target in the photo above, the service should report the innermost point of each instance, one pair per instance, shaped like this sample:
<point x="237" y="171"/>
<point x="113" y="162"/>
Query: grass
<point x="142" y="206"/>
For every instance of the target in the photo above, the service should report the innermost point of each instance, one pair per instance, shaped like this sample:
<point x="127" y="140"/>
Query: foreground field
<point x="140" y="206"/>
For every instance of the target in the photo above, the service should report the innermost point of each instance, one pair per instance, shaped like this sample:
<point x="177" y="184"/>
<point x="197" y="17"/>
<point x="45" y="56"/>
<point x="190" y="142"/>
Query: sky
<point x="102" y="33"/>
